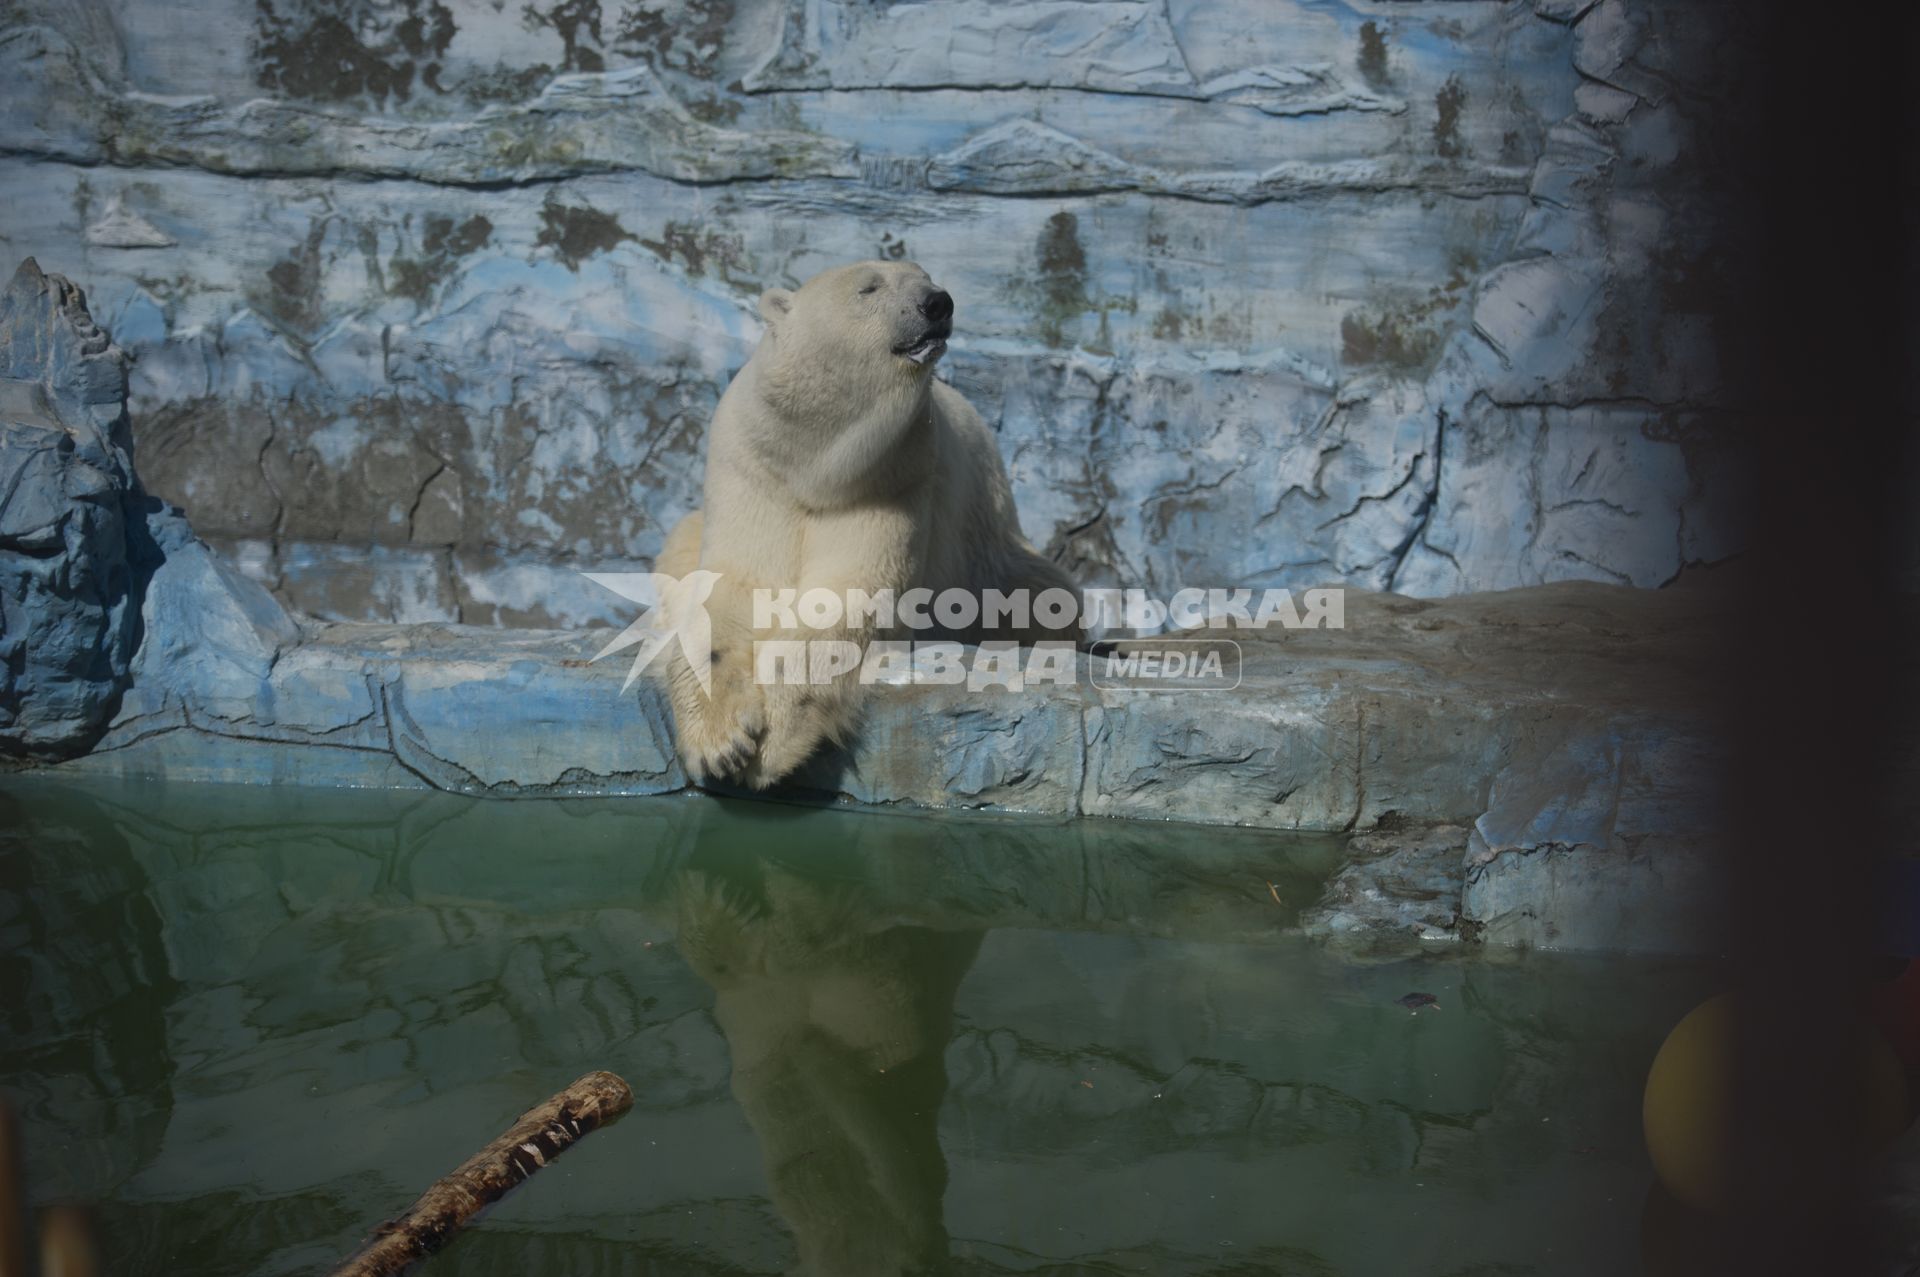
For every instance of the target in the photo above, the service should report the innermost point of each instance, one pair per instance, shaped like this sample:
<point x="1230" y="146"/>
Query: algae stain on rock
<point x="678" y="35"/>
<point x="1063" y="276"/>
<point x="699" y="249"/>
<point x="506" y="84"/>
<point x="577" y="23"/>
<point x="713" y="109"/>
<point x="577" y="232"/>
<point x="1372" y="58"/>
<point x="1391" y="338"/>
<point x="343" y="51"/>
<point x="442" y="245"/>
<point x="1448" y="104"/>
<point x="1405" y="334"/>
<point x="292" y="296"/>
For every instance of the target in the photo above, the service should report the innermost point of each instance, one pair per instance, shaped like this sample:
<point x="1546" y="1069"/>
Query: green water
<point x="249" y="1023"/>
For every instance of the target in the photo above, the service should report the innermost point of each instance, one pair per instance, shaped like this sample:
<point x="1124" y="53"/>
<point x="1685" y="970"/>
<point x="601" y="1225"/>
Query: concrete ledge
<point x="1576" y="694"/>
<point x="1559" y="730"/>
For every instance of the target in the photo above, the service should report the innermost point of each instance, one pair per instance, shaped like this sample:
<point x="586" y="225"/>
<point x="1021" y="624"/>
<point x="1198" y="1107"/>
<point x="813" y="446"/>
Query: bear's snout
<point x="937" y="305"/>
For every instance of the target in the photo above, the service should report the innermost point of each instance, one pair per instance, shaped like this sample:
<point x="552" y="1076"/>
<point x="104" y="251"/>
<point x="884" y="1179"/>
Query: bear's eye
<point x="874" y="287"/>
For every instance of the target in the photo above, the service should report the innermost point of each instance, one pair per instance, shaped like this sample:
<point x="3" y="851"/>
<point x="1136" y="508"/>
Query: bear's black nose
<point x="938" y="305"/>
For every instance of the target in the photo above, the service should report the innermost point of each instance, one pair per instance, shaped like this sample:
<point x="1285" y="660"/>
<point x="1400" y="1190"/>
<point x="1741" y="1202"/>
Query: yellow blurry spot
<point x="1687" y="1113"/>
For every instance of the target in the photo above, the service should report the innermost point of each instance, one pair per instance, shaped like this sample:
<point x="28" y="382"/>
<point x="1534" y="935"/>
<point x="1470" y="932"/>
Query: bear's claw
<point x="718" y="751"/>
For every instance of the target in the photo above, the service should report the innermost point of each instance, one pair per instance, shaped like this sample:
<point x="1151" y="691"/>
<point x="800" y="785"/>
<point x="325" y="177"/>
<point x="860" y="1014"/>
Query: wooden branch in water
<point x="541" y="1134"/>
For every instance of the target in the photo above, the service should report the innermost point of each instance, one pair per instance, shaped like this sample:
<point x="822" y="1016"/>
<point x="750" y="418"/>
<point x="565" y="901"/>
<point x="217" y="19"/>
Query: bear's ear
<point x="775" y="305"/>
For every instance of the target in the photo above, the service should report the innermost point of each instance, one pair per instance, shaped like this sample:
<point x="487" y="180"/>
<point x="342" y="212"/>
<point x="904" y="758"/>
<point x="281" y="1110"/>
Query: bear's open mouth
<point x="928" y="346"/>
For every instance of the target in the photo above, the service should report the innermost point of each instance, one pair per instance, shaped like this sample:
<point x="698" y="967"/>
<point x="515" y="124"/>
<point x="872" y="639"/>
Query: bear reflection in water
<point x="838" y="1026"/>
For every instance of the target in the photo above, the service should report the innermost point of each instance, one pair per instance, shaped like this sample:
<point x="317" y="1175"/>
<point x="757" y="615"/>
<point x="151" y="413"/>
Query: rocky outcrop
<point x="110" y="608"/>
<point x="1024" y="157"/>
<point x="73" y="554"/>
<point x="1397" y="885"/>
<point x="431" y="308"/>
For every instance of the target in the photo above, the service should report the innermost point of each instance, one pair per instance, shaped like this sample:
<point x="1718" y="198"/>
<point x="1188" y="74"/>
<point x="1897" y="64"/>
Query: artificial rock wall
<point x="430" y="300"/>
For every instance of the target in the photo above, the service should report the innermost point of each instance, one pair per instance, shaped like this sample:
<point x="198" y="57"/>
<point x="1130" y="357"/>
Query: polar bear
<point x="836" y="460"/>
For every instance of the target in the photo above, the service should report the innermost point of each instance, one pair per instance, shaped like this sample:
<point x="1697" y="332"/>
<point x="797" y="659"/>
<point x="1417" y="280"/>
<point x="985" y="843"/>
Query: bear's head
<point x="862" y="317"/>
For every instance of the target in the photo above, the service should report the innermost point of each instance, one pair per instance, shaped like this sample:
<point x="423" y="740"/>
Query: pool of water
<point x="249" y="1023"/>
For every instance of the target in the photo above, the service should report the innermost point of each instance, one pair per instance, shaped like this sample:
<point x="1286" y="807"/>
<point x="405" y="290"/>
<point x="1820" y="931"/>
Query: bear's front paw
<point x="799" y="723"/>
<point x="778" y="756"/>
<point x="718" y="739"/>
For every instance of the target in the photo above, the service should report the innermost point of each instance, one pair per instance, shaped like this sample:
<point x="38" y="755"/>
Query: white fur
<point x="835" y="461"/>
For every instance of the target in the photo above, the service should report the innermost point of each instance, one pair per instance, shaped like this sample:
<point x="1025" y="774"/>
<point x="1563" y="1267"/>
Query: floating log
<point x="542" y="1134"/>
